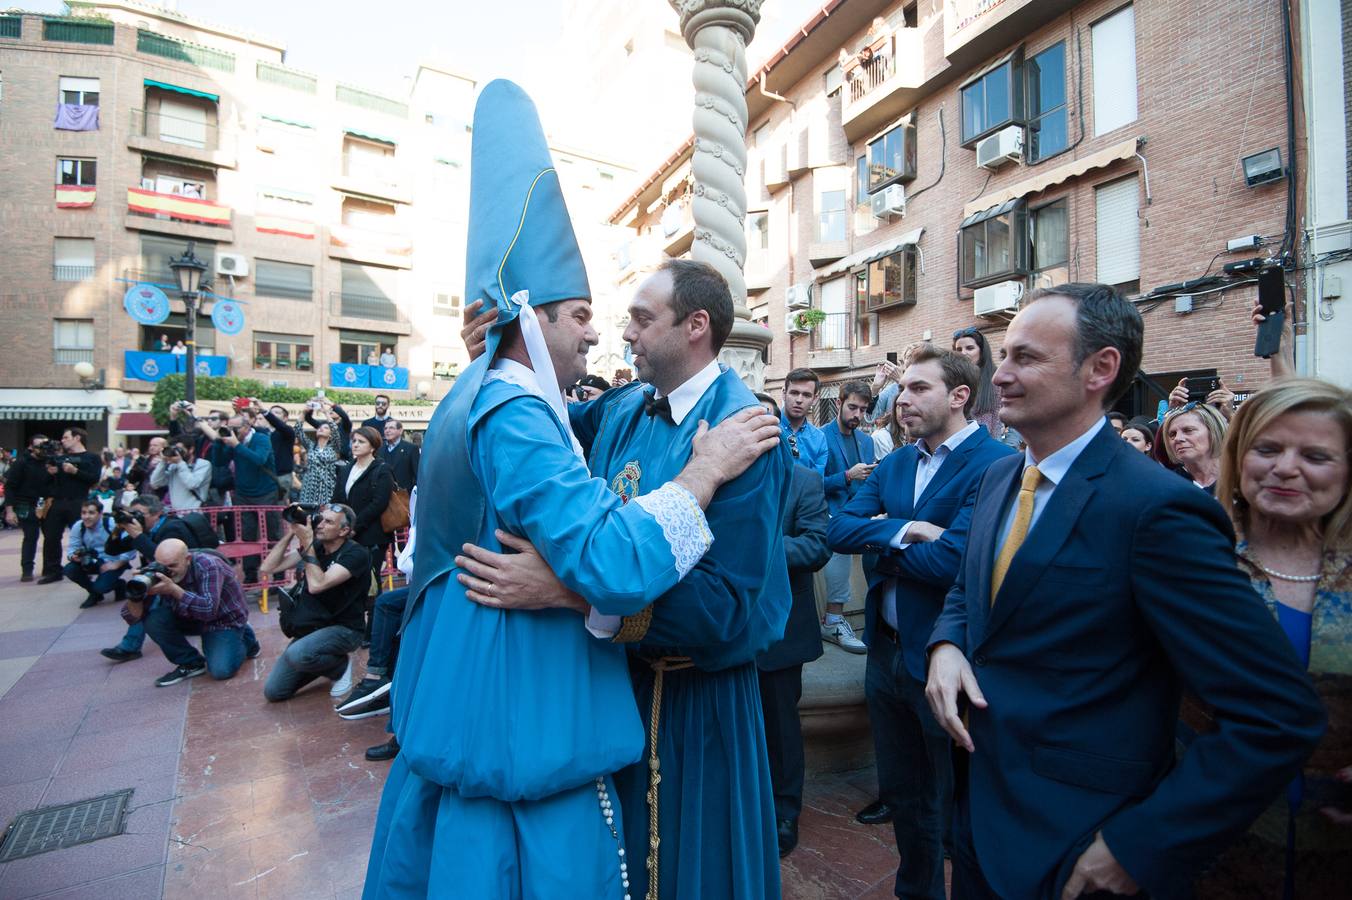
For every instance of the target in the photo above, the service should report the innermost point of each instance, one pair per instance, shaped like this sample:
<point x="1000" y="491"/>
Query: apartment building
<point x="916" y="167"/>
<point x="335" y="214"/>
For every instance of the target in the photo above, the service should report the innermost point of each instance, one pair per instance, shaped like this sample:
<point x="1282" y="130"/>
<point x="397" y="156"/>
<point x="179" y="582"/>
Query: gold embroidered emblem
<point x="625" y="484"/>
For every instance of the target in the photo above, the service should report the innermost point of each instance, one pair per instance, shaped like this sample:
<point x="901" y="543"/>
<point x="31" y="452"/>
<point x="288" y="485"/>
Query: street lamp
<point x="188" y="269"/>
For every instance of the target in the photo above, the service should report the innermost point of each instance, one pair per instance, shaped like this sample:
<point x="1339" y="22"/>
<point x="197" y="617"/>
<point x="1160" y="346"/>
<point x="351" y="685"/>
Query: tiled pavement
<point x="236" y="797"/>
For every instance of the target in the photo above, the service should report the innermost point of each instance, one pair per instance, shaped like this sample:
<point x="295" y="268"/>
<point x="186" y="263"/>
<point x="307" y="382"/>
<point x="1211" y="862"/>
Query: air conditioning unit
<point x="890" y="201"/>
<point x="997" y="299"/>
<point x="798" y="296"/>
<point x="1005" y="146"/>
<point x="236" y="264"/>
<point x="791" y="325"/>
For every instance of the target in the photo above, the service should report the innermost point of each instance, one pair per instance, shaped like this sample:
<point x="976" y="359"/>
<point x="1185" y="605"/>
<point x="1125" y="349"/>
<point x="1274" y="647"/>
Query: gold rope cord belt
<point x="659" y="666"/>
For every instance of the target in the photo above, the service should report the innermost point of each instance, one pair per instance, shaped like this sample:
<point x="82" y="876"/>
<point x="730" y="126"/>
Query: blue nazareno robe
<point x="506" y="719"/>
<point x="716" y="807"/>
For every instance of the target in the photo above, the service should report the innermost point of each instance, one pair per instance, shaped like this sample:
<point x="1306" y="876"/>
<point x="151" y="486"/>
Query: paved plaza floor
<point x="237" y="797"/>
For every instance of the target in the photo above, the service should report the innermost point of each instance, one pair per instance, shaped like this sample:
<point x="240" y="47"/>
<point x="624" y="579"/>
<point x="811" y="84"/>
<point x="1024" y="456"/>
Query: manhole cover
<point x="53" y="827"/>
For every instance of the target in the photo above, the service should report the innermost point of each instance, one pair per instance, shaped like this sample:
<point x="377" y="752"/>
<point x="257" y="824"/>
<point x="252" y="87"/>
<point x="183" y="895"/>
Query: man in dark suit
<point x="400" y="455"/>
<point x="914" y="513"/>
<point x="781" y="665"/>
<point x="1096" y="585"/>
<point x="849" y="461"/>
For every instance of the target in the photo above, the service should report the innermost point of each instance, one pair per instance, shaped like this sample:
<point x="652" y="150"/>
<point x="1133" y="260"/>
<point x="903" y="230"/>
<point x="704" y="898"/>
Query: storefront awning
<point x="1053" y="176"/>
<point x="54" y="413"/>
<point x="371" y="136"/>
<point x="214" y="98"/>
<point x="139" y="423"/>
<point x="877" y="251"/>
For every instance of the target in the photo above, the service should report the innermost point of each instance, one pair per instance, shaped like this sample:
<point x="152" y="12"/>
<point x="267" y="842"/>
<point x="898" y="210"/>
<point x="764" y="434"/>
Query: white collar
<point x="684" y="398"/>
<point x="953" y="442"/>
<point x="1057" y="464"/>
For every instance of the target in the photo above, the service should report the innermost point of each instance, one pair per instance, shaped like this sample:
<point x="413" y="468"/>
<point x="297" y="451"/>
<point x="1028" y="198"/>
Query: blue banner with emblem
<point x="389" y="378"/>
<point x="146" y="366"/>
<point x="227" y="316"/>
<point x="210" y="366"/>
<point x="146" y="303"/>
<point x="349" y="375"/>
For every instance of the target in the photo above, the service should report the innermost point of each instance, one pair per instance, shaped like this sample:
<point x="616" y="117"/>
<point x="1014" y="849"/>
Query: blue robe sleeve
<point x="618" y="556"/>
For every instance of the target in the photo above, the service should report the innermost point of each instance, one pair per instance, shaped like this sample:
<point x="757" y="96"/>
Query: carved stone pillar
<point x="718" y="32"/>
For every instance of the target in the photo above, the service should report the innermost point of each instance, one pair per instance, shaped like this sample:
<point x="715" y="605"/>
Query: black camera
<point x="302" y="513"/>
<point x="50" y="450"/>
<point x="86" y="559"/>
<point x="124" y="516"/>
<point x="224" y="432"/>
<point x="144" y="580"/>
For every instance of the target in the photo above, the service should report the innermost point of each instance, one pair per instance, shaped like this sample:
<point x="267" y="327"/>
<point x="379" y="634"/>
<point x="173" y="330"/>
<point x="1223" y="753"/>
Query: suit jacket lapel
<point x="995" y="496"/>
<point x="952" y="465"/>
<point x="1052" y="528"/>
<point x="902" y="491"/>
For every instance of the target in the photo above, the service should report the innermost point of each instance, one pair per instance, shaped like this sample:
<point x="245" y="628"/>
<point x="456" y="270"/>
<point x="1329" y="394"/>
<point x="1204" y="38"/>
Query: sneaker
<point x="842" y="634"/>
<point x="117" y="654"/>
<point x="369" y="698"/>
<point x="343" y="684"/>
<point x="92" y="600"/>
<point x="179" y="674"/>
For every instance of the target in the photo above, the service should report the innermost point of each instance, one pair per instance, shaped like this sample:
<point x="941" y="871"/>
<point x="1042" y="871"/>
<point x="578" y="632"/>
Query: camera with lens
<point x="125" y="516"/>
<point x="144" y="580"/>
<point x="302" y="513"/>
<point x="52" y="453"/>
<point x="86" y="559"/>
<point x="224" y="432"/>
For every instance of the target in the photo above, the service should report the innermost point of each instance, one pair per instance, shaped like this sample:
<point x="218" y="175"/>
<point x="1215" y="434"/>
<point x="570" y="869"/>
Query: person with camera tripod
<point x="74" y="472"/>
<point x="192" y="592"/>
<point x="90" y="565"/>
<point x="325" y="622"/>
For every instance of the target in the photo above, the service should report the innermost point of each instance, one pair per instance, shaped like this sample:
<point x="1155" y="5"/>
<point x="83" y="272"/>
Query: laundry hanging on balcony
<point x="76" y="117"/>
<point x="177" y="206"/>
<point x="72" y="196"/>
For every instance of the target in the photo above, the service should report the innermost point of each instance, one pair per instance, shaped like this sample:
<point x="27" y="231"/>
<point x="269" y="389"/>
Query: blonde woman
<point x="1193" y="435"/>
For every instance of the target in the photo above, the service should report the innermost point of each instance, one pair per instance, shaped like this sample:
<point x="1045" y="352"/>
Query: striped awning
<point x="179" y="89"/>
<point x="54" y="413"/>
<point x="371" y="136"/>
<point x="1054" y="175"/>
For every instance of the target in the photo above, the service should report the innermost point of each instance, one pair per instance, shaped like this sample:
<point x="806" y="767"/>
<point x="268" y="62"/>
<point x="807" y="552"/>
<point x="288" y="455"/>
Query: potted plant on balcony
<point x="808" y="319"/>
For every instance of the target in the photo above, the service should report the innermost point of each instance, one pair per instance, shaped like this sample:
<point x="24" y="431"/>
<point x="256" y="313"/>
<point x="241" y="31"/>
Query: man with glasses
<point x="27" y="484"/>
<point x="382" y="414"/>
<point x="329" y="616"/>
<point x="806" y="442"/>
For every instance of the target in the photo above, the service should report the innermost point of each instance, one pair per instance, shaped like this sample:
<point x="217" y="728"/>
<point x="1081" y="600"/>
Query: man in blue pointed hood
<point x="510" y="723"/>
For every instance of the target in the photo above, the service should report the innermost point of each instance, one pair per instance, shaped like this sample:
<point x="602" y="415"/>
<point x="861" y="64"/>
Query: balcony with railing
<point x="179" y="215"/>
<point x="72" y="273"/>
<point x="197" y="140"/>
<point x="373" y="176"/>
<point x="371" y="245"/>
<point x="829" y="346"/>
<point x="887" y="83"/>
<point x="69" y="356"/>
<point x="367" y="308"/>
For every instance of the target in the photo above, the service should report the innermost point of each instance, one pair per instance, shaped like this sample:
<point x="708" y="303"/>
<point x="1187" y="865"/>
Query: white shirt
<point x="1053" y="469"/>
<point x="926" y="467"/>
<point x="684" y="398"/>
<point x="353" y="474"/>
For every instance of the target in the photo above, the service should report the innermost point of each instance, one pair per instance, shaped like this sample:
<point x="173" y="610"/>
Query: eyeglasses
<point x="793" y="444"/>
<point x="966" y="332"/>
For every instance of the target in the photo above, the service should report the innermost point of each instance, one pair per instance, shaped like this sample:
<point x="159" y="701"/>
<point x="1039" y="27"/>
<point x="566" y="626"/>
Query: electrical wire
<point x="1288" y="54"/>
<point x="943" y="158"/>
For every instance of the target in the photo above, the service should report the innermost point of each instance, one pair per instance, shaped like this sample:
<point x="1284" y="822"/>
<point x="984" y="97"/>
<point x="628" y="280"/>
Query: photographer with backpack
<point x="90" y="564"/>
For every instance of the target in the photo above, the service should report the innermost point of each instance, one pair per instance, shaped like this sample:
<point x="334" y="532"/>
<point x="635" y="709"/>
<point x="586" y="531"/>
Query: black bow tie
<point x="657" y="407"/>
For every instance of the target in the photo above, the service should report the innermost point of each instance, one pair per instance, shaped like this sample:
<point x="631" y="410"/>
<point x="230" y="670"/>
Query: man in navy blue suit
<point x="914" y="513"/>
<point x="1095" y="587"/>
<point x="849" y="462"/>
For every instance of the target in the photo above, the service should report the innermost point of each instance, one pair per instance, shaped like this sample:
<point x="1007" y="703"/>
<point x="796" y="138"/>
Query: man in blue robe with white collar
<point x="510" y="723"/>
<point x="706" y="779"/>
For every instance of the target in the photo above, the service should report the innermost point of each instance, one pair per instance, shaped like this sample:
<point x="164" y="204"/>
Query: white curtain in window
<point x="183" y="123"/>
<point x="73" y="334"/>
<point x="1118" y="231"/>
<point x="74" y="252"/>
<point x="1114" y="71"/>
<point x="834" y="296"/>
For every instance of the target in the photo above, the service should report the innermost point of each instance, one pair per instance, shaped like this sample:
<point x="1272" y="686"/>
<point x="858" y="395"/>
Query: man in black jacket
<point x="382" y="414"/>
<point x="781" y="665"/>
<point x="74" y="474"/>
<point x="283" y="447"/>
<point x="27" y="483"/>
<point x="400" y="455"/>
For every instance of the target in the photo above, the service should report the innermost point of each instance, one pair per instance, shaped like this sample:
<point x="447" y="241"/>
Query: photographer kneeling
<point x="91" y="566"/>
<point x="326" y="620"/>
<point x="184" y="593"/>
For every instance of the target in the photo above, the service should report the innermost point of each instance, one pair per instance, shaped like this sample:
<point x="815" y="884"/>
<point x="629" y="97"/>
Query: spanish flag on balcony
<point x="186" y="208"/>
<point x="282" y="225"/>
<point x="70" y="196"/>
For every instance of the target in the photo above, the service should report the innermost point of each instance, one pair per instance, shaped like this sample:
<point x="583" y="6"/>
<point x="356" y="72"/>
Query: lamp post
<point x="188" y="269"/>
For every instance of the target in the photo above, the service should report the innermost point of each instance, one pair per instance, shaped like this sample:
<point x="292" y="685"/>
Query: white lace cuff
<point x="682" y="523"/>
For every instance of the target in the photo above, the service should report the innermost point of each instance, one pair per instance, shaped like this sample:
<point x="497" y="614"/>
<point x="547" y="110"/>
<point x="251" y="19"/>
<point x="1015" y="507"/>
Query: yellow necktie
<point x="1023" y="517"/>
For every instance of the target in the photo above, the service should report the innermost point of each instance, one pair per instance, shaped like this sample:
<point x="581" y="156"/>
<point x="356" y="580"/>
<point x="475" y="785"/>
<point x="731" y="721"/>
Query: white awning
<point x="864" y="257"/>
<point x="54" y="413"/>
<point x="1055" y="175"/>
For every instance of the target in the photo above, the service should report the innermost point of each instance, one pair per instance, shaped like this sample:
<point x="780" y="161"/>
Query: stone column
<point x="718" y="32"/>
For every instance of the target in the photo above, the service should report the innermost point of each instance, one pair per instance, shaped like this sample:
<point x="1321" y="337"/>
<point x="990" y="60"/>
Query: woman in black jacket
<point x="365" y="484"/>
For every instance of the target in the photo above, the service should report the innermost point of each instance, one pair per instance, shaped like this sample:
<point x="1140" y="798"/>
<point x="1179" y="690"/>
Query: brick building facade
<point x="1123" y="127"/>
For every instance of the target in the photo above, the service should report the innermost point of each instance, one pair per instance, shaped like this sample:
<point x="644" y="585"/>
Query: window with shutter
<point x="1114" y="71"/>
<point x="293" y="281"/>
<point x="1118" y="231"/>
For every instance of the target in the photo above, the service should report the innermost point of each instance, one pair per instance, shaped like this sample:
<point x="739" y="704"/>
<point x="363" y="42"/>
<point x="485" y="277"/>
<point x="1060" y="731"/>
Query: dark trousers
<point x="385" y="621"/>
<point x="62" y="513"/>
<point x="223" y="650"/>
<point x="100" y="584"/>
<point x="249" y="525"/>
<point x="31" y="526"/>
<point x="780" y="692"/>
<point x="915" y="769"/>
